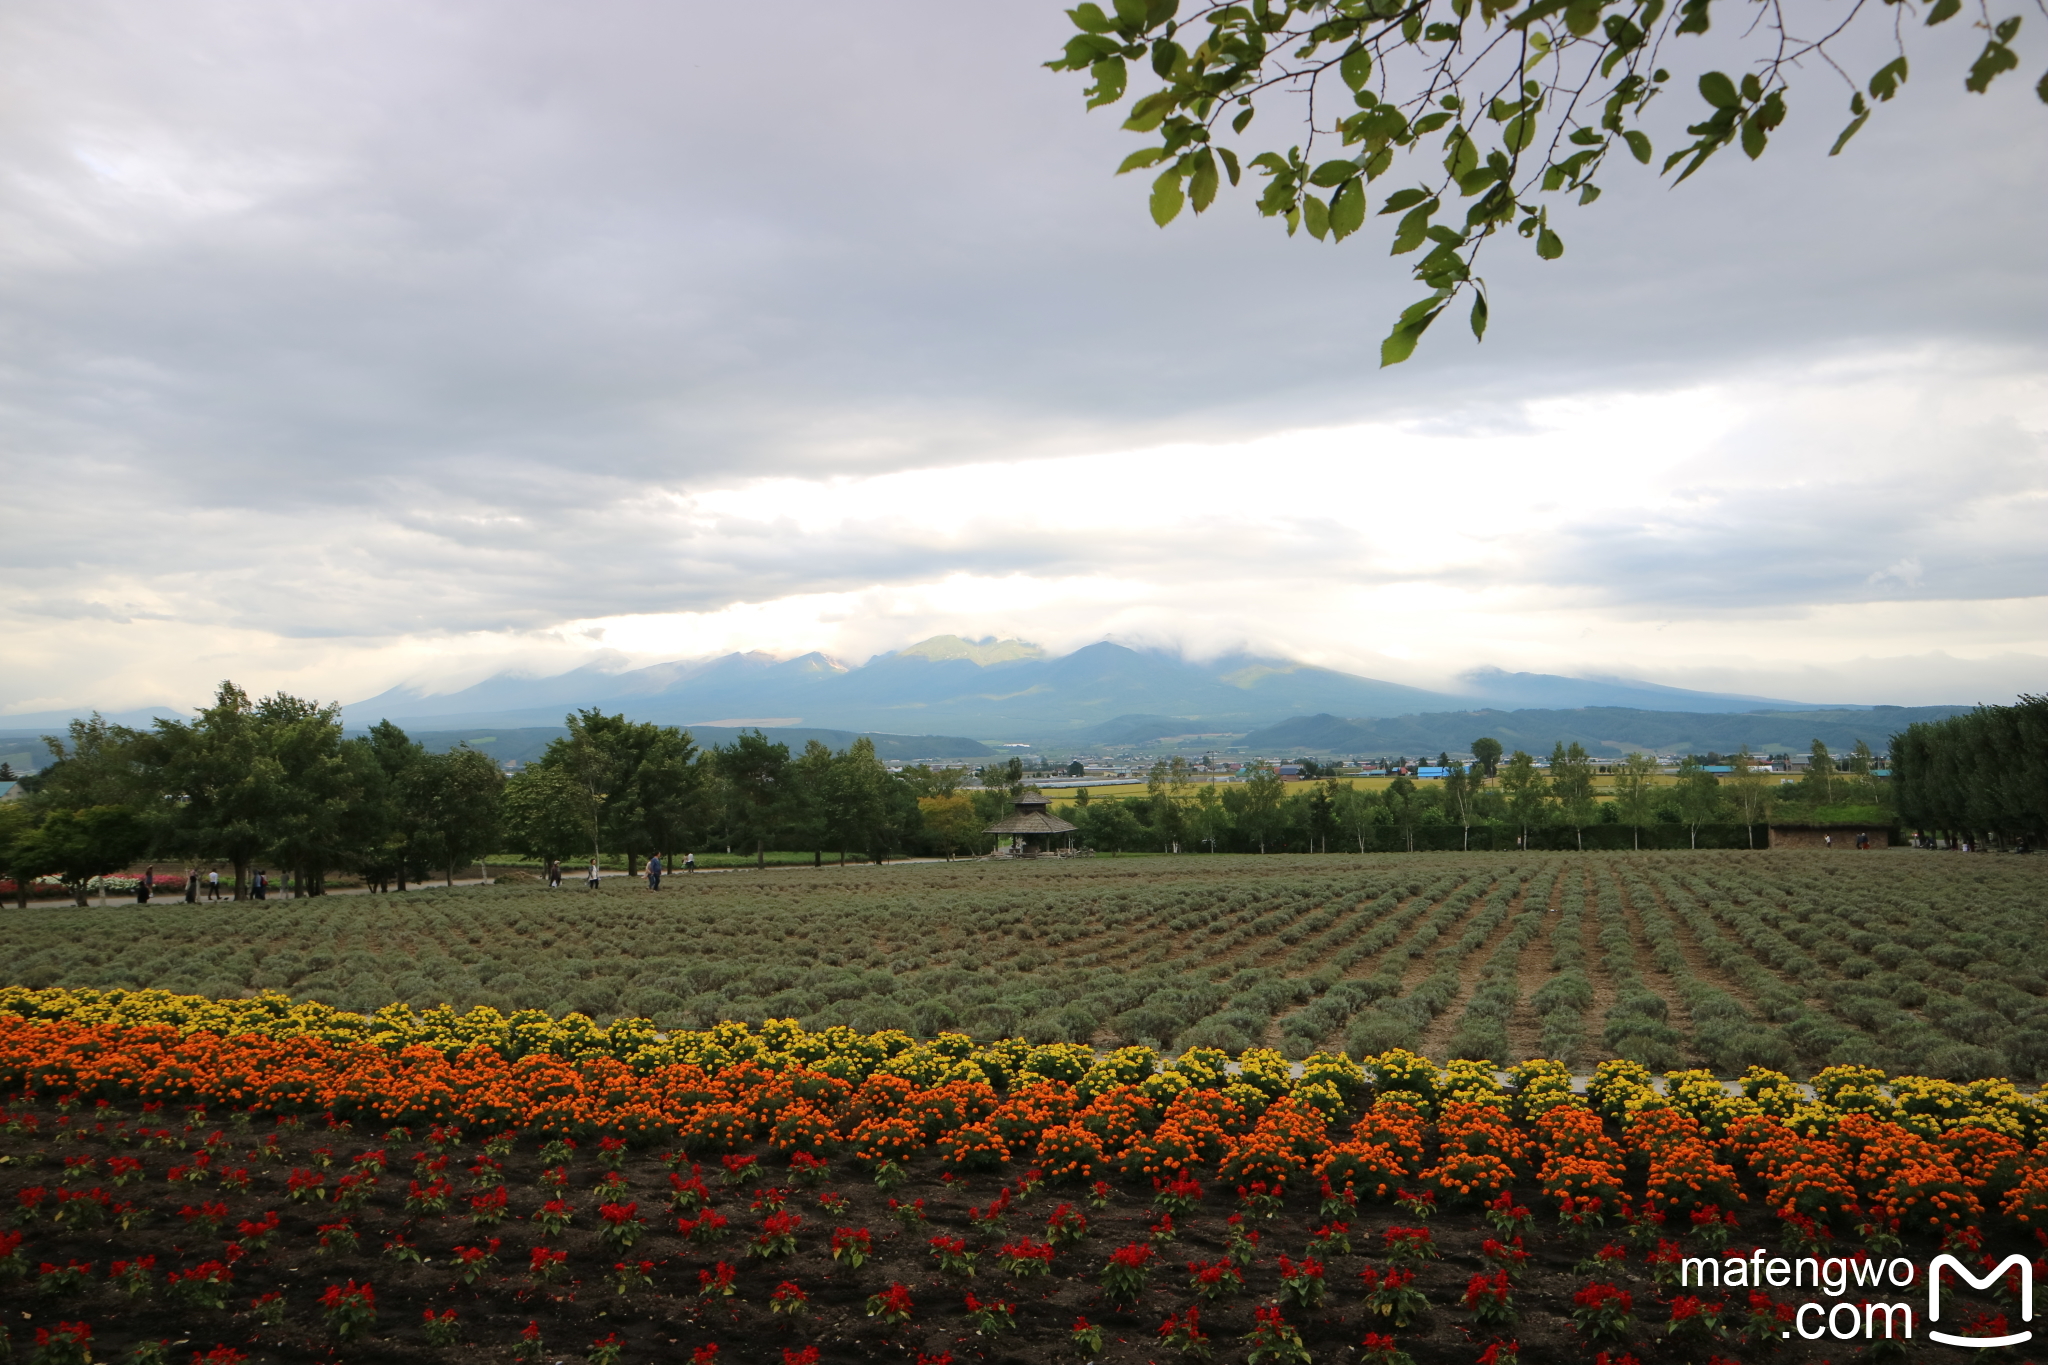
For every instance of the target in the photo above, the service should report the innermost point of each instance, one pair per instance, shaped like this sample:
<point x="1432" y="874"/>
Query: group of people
<point x="592" y="876"/>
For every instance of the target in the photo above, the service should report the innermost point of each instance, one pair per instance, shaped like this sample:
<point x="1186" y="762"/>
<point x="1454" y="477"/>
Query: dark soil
<point x="666" y="1320"/>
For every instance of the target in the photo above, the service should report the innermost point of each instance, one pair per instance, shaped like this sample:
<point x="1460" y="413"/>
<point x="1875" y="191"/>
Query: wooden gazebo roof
<point x="1030" y="816"/>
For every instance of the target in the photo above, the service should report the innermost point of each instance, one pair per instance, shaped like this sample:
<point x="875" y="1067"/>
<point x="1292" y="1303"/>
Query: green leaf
<point x="2007" y="30"/>
<point x="1110" y="77"/>
<point x="1719" y="91"/>
<point x="2042" y="89"/>
<point x="1429" y="123"/>
<point x="1167" y="198"/>
<point x="1132" y="14"/>
<point x="1144" y="156"/>
<point x="1582" y="17"/>
<point x="1400" y="343"/>
<point x="1413" y="228"/>
<point x="1754" y="136"/>
<point x="1549" y="246"/>
<point x="1243" y="120"/>
<point x="1855" y="127"/>
<point x="1995" y="60"/>
<point x="1356" y="67"/>
<point x="1519" y="133"/>
<point x="1230" y="165"/>
<point x="1479" y="314"/>
<point x="1089" y="18"/>
<point x="1202" y="184"/>
<point x="1943" y="11"/>
<point x="1752" y="88"/>
<point x="1638" y="144"/>
<point x="1587" y="195"/>
<point x="1404" y="199"/>
<point x="1347" y="210"/>
<point x="1889" y="78"/>
<point x="1333" y="173"/>
<point x="1149" y="112"/>
<point x="1316" y="215"/>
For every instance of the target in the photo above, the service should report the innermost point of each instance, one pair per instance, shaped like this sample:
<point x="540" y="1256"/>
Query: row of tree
<point x="276" y="784"/>
<point x="1983" y="773"/>
<point x="251" y="784"/>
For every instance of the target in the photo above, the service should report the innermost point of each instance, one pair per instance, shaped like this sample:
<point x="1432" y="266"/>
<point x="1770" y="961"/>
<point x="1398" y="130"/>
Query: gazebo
<point x="1030" y="824"/>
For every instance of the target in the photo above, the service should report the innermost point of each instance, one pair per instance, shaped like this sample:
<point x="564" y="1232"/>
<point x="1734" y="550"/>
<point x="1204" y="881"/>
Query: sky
<point x="350" y="346"/>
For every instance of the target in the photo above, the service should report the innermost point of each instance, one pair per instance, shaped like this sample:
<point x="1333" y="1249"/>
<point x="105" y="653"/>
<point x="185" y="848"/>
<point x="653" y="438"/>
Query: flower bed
<point x="252" y="1178"/>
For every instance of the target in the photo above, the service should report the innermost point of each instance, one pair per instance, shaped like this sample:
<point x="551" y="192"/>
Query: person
<point x="1827" y="841"/>
<point x="654" y="873"/>
<point x="142" y="888"/>
<point x="689" y="862"/>
<point x="555" y="874"/>
<point x="213" y="885"/>
<point x="192" y="887"/>
<point x="593" y="874"/>
<point x="1862" y="841"/>
<point x="262" y="884"/>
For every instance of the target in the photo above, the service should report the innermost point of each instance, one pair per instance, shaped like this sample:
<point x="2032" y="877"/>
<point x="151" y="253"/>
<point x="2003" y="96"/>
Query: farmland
<point x="1914" y="962"/>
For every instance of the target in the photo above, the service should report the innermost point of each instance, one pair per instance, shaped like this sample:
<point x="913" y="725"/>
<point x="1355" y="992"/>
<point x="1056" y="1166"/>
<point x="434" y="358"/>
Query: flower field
<point x="230" y="1180"/>
<point x="1911" y="962"/>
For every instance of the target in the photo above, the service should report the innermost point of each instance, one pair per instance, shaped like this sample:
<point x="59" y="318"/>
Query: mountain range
<point x="1007" y="690"/>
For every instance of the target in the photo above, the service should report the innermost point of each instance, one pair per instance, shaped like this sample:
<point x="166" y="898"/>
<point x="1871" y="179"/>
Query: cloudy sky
<point x="350" y="345"/>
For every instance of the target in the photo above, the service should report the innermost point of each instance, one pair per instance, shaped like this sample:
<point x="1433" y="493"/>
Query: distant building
<point x="1432" y="771"/>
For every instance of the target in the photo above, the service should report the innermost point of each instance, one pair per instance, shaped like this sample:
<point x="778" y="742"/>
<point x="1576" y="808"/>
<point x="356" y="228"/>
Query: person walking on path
<point x="142" y="888"/>
<point x="689" y="862"/>
<point x="654" y="873"/>
<point x="555" y="874"/>
<point x="192" y="887"/>
<point x="262" y="884"/>
<point x="593" y="874"/>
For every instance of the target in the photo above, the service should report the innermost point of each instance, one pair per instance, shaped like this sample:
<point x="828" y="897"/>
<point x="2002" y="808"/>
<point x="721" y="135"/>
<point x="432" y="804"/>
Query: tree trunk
<point x="760" y="856"/>
<point x="817" y="857"/>
<point x="241" y="879"/>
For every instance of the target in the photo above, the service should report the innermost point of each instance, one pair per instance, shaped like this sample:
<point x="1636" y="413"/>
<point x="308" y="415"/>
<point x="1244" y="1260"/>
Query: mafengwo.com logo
<point x="1856" y="1286"/>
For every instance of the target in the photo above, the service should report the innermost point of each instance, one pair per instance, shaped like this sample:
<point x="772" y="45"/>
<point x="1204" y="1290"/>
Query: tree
<point x="1460" y="789"/>
<point x="1522" y="784"/>
<point x="866" y="805"/>
<point x="453" y="802"/>
<point x="1531" y="99"/>
<point x="1263" y="788"/>
<point x="1166" y="785"/>
<point x="226" y="787"/>
<point x="1699" y="796"/>
<point x="1075" y="769"/>
<point x="79" y="845"/>
<point x="1819" y="782"/>
<point x="22" y="857"/>
<point x="1634" y="790"/>
<point x="1006" y="777"/>
<point x="756" y="772"/>
<point x="1571" y="786"/>
<point x="1752" y="791"/>
<point x="925" y="780"/>
<point x="543" y="813"/>
<point x="1486" y="757"/>
<point x="950" y="822"/>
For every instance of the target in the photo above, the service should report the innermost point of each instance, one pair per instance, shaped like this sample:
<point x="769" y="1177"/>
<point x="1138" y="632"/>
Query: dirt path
<point x="1593" y="1048"/>
<point x="1525" y="1030"/>
<point x="1437" y="1037"/>
<point x="1695" y="954"/>
<point x="1654" y="978"/>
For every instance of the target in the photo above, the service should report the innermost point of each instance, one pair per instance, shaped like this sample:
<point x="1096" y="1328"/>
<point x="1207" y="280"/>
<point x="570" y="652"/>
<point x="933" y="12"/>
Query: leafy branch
<point x="1502" y="109"/>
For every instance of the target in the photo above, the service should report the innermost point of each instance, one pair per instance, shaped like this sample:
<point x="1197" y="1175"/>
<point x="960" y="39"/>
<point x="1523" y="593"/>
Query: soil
<point x="667" y="1320"/>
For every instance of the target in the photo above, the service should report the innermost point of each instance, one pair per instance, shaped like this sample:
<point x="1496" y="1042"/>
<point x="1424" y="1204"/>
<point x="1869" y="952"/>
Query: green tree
<point x="1819" y="783"/>
<point x="23" y="858"/>
<point x="1263" y="789"/>
<point x="756" y="772"/>
<point x="543" y="810"/>
<point x="1571" y="786"/>
<point x="869" y="810"/>
<point x="1167" y="785"/>
<point x="1499" y="112"/>
<point x="1461" y="789"/>
<point x="227" y="788"/>
<point x="79" y="845"/>
<point x="453" y="800"/>
<point x="950" y="823"/>
<point x="925" y="780"/>
<point x="1399" y="801"/>
<point x="1635" y="791"/>
<point x="1486" y="757"/>
<point x="1699" y="796"/>
<point x="1753" y="791"/>
<point x="1523" y="788"/>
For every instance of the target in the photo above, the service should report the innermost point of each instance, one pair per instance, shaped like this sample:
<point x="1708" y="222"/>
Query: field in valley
<point x="1912" y="961"/>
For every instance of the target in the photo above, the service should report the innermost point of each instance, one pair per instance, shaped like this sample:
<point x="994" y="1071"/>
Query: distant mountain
<point x="1549" y="690"/>
<point x="993" y="689"/>
<point x="33" y="723"/>
<point x="1605" y="731"/>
